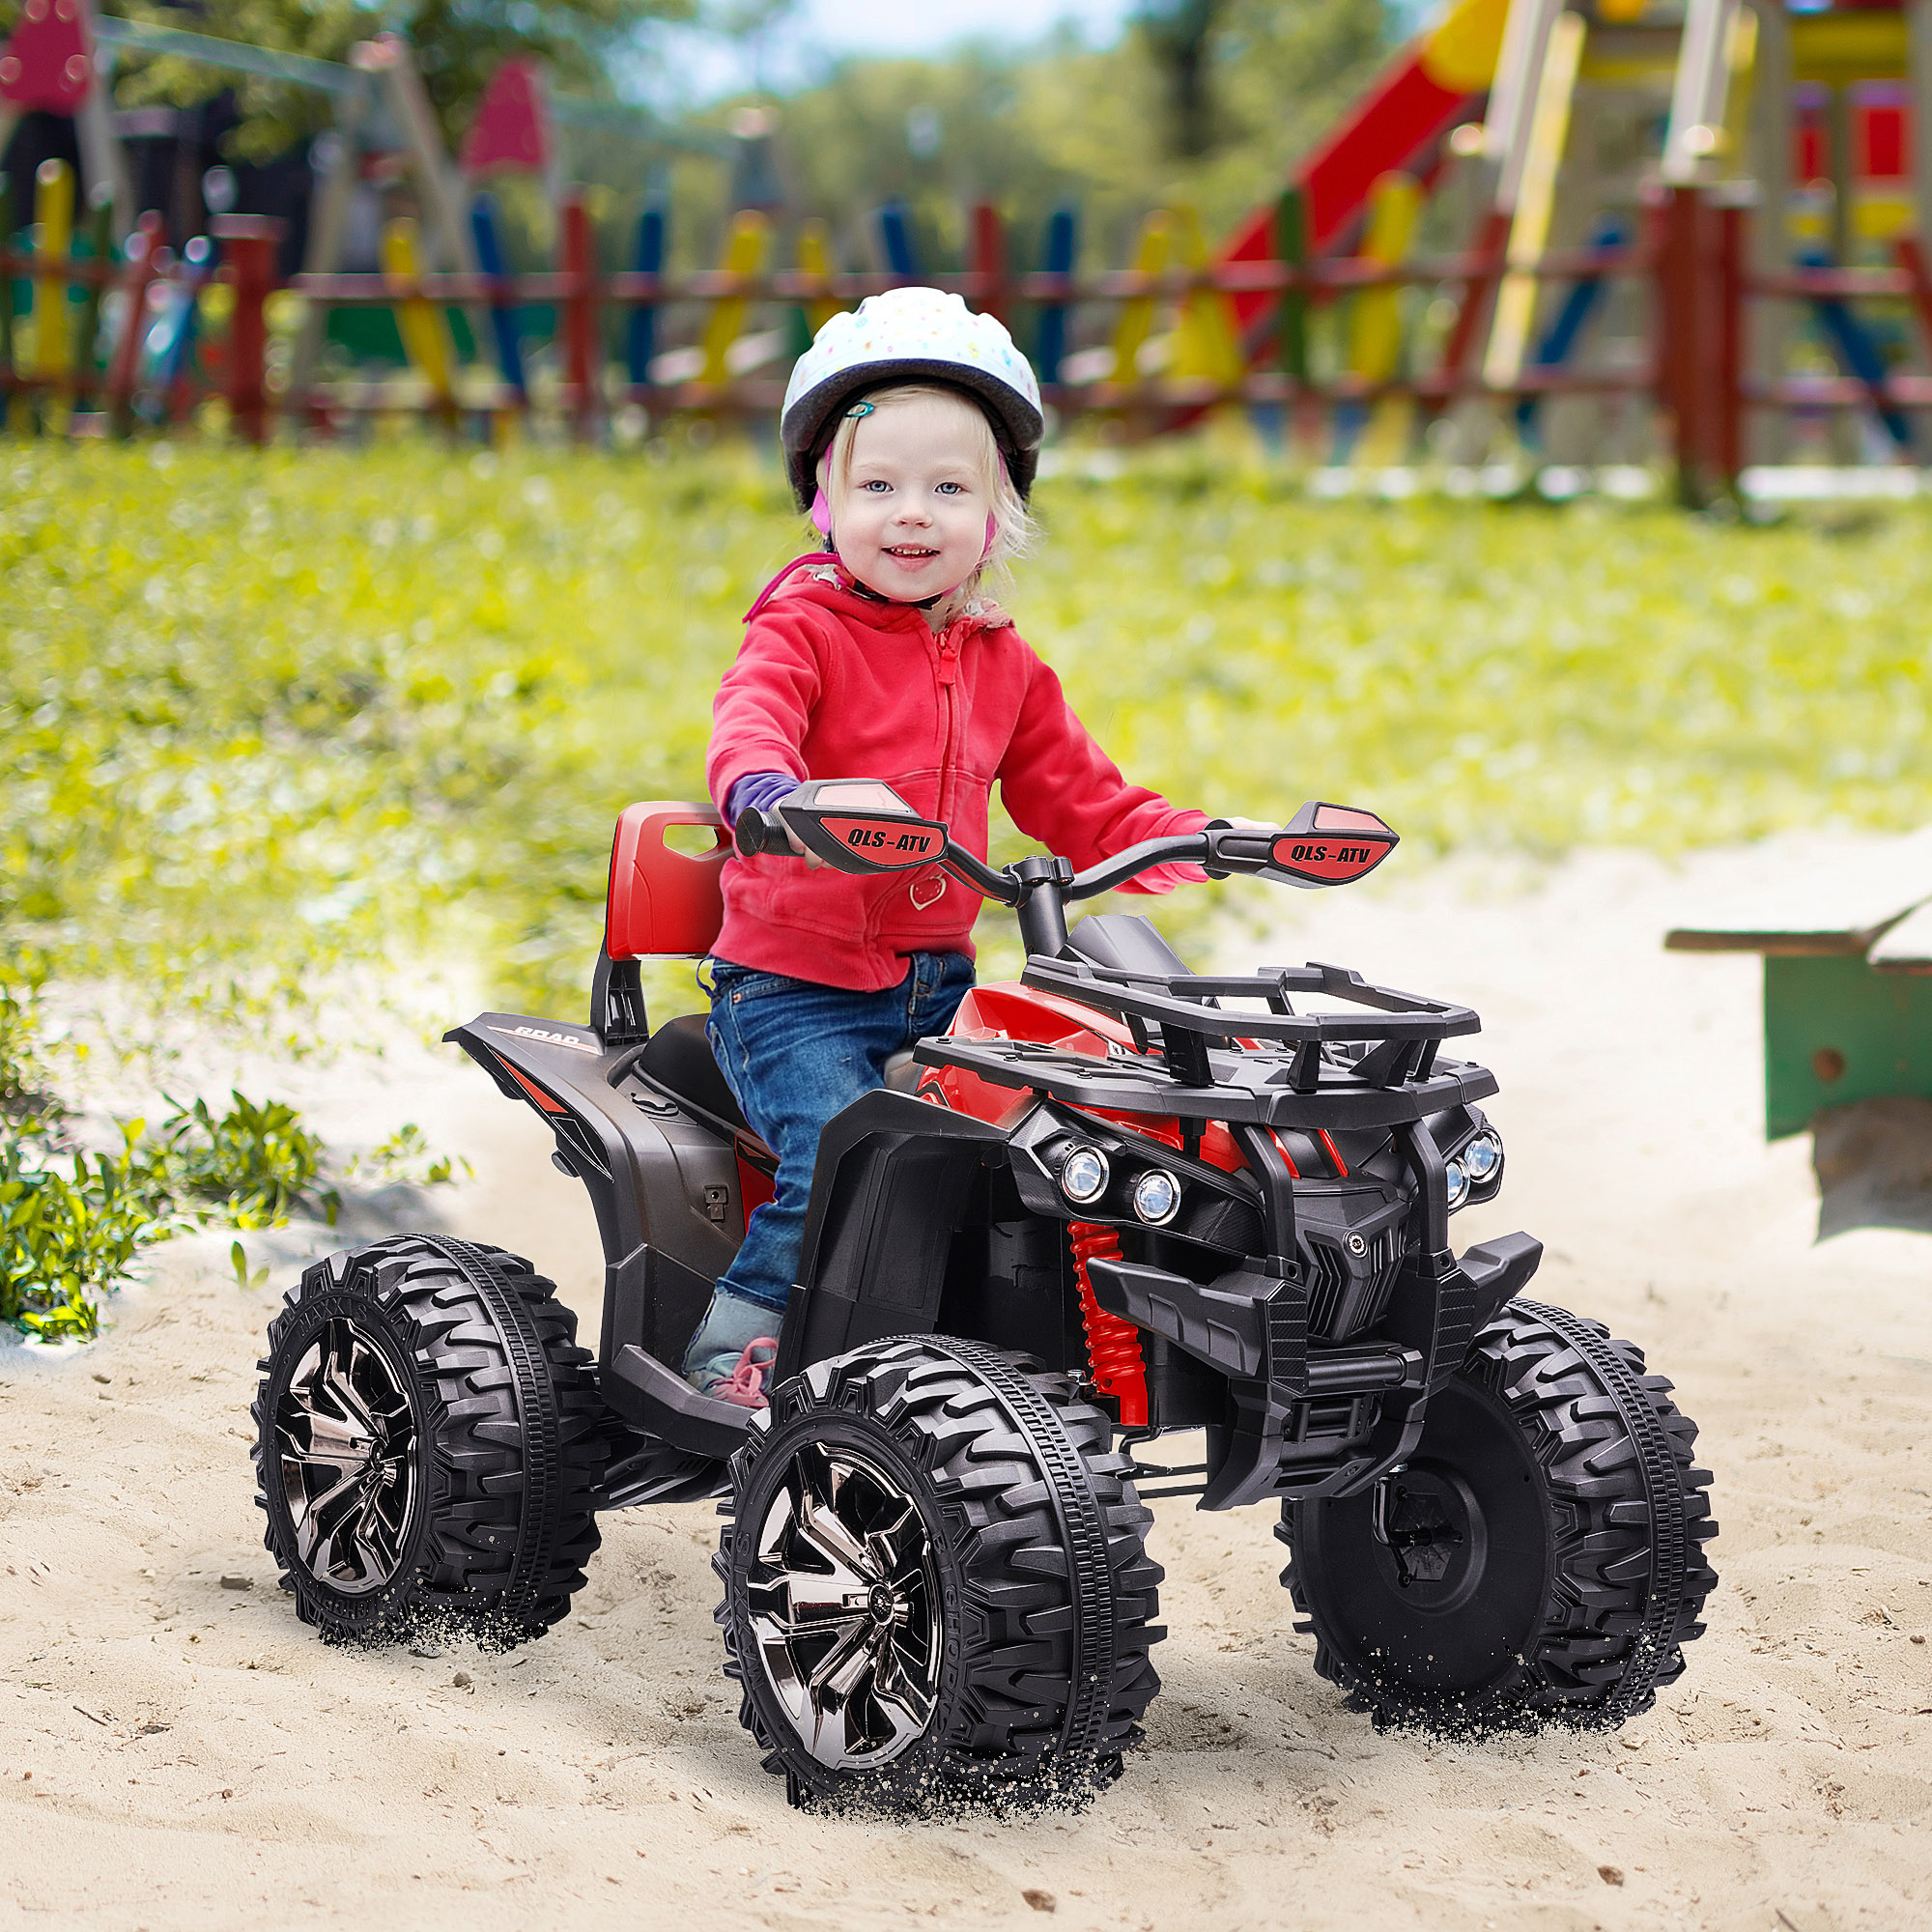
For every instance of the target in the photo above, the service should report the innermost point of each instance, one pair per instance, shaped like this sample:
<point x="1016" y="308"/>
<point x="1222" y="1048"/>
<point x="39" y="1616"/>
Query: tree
<point x="458" y="44"/>
<point x="1062" y="123"/>
<point x="1177" y="34"/>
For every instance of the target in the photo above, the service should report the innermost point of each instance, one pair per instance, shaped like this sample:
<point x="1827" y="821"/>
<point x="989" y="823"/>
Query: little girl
<point x="912" y="430"/>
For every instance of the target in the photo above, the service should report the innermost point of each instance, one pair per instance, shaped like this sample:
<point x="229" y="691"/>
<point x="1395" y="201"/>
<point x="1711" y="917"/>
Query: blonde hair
<point x="1014" y="531"/>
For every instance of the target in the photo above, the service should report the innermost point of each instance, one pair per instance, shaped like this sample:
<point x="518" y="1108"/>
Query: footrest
<point x="644" y="1392"/>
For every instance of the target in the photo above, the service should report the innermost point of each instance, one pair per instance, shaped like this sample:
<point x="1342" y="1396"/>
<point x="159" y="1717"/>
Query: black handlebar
<point x="862" y="827"/>
<point x="1220" y="850"/>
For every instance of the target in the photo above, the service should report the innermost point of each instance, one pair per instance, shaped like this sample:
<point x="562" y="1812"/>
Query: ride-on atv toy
<point x="1117" y="1200"/>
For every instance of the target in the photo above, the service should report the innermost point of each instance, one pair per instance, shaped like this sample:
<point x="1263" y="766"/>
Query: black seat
<point x="679" y="1059"/>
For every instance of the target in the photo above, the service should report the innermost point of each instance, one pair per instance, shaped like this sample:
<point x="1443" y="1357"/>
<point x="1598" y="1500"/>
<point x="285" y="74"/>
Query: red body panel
<point x="754" y="1182"/>
<point x="662" y="902"/>
<point x="1009" y="1011"/>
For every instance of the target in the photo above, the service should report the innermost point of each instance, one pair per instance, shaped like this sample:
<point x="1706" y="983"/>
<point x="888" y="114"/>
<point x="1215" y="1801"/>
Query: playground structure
<point x="1847" y="992"/>
<point x="1680" y="232"/>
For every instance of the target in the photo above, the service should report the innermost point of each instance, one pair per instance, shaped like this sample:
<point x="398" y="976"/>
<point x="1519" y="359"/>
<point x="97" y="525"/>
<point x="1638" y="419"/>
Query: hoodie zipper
<point x="947" y="642"/>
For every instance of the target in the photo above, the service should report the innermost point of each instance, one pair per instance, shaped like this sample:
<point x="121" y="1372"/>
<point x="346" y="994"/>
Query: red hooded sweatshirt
<point x="832" y="685"/>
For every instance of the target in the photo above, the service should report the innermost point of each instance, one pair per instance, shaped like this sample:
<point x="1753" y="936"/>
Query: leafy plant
<point x="255" y="1162"/>
<point x="406" y="1156"/>
<point x="26" y="1077"/>
<point x="72" y="1223"/>
<point x="245" y="1277"/>
<point x="67" y="1237"/>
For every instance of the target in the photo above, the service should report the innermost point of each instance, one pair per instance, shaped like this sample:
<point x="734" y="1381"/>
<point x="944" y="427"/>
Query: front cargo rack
<point x="1276" y="1067"/>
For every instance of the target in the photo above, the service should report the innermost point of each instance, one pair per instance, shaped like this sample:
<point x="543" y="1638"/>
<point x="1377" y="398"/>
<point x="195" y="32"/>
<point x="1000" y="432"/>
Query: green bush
<point x="69" y="1236"/>
<point x="407" y="1156"/>
<point x="253" y="1164"/>
<point x="73" y="1222"/>
<point x="26" y="1080"/>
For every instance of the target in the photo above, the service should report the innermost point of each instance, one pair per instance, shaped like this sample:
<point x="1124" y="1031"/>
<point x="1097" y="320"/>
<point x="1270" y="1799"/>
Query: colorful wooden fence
<point x="162" y="352"/>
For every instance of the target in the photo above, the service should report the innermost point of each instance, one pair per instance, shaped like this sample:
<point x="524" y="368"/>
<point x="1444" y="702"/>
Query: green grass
<point x="264" y="714"/>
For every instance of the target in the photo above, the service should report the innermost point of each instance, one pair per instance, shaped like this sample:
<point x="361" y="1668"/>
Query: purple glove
<point x="762" y="789"/>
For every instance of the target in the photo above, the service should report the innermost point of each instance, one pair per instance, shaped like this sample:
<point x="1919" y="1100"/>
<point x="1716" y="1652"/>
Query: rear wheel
<point x="936" y="1583"/>
<point x="428" y="1444"/>
<point x="1540" y="1555"/>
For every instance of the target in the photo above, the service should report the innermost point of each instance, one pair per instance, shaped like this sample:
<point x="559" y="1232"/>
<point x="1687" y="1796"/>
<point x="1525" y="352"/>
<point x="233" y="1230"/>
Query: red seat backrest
<point x="663" y="901"/>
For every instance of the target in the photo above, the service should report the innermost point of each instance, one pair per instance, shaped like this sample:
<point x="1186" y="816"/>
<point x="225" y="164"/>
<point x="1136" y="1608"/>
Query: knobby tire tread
<point x="515" y="1420"/>
<point x="1051" y="1541"/>
<point x="1605" y="1645"/>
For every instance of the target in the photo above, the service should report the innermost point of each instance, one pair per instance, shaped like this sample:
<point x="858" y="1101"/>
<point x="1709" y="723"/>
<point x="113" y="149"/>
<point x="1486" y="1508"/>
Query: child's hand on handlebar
<point x="812" y="859"/>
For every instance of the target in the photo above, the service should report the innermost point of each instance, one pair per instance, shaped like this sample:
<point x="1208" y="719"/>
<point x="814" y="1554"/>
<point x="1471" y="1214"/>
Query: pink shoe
<point x="745" y="1383"/>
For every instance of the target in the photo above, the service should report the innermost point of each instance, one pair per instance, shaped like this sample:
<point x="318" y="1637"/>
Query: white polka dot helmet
<point x="909" y="335"/>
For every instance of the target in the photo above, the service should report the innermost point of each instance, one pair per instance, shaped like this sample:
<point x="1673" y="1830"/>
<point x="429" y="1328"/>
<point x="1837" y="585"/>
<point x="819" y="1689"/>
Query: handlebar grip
<point x="1234" y="849"/>
<point x="757" y="832"/>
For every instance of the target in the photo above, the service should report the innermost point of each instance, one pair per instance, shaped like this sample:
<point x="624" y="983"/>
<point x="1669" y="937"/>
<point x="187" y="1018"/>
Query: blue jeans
<point x="795" y="1054"/>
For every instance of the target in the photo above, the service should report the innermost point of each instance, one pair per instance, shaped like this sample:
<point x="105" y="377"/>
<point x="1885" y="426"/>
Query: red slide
<point x="1429" y="87"/>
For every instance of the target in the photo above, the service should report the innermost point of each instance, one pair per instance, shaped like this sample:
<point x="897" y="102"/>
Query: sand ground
<point x="178" y="1752"/>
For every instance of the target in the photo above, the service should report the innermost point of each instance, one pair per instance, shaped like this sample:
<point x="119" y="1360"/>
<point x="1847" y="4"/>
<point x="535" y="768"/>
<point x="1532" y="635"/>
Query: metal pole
<point x="1918" y="73"/>
<point x="1847" y="424"/>
<point x="444" y="199"/>
<point x="1512" y="109"/>
<point x="1843" y="171"/>
<point x="101" y="155"/>
<point x="1698" y="91"/>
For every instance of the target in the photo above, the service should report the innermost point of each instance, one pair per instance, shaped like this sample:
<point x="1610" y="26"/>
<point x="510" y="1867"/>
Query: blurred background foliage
<point x="1204" y="102"/>
<point x="459" y="43"/>
<point x="265" y="715"/>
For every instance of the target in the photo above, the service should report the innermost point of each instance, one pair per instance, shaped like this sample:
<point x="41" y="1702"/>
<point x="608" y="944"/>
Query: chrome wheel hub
<point x="844" y="1608"/>
<point x="346" y="1439"/>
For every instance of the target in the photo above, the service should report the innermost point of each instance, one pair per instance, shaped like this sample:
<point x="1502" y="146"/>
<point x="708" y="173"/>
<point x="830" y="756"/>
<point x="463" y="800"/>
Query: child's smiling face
<point x="912" y="521"/>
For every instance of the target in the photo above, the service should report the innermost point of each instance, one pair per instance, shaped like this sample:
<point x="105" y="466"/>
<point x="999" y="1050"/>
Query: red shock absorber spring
<point x="1112" y="1343"/>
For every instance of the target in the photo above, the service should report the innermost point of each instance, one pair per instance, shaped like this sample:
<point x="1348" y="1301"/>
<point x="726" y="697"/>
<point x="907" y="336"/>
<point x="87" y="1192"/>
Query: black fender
<point x="891" y="1188"/>
<point x="650" y="1164"/>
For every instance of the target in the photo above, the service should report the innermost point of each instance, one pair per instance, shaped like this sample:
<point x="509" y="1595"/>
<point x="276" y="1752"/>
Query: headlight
<point x="1084" y="1175"/>
<point x="1483" y="1159"/>
<point x="1157" y="1195"/>
<point x="1457" y="1176"/>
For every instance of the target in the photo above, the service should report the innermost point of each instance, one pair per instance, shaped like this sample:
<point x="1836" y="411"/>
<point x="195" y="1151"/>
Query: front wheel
<point x="428" y="1444"/>
<point x="936" y="1584"/>
<point x="1537" y="1558"/>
